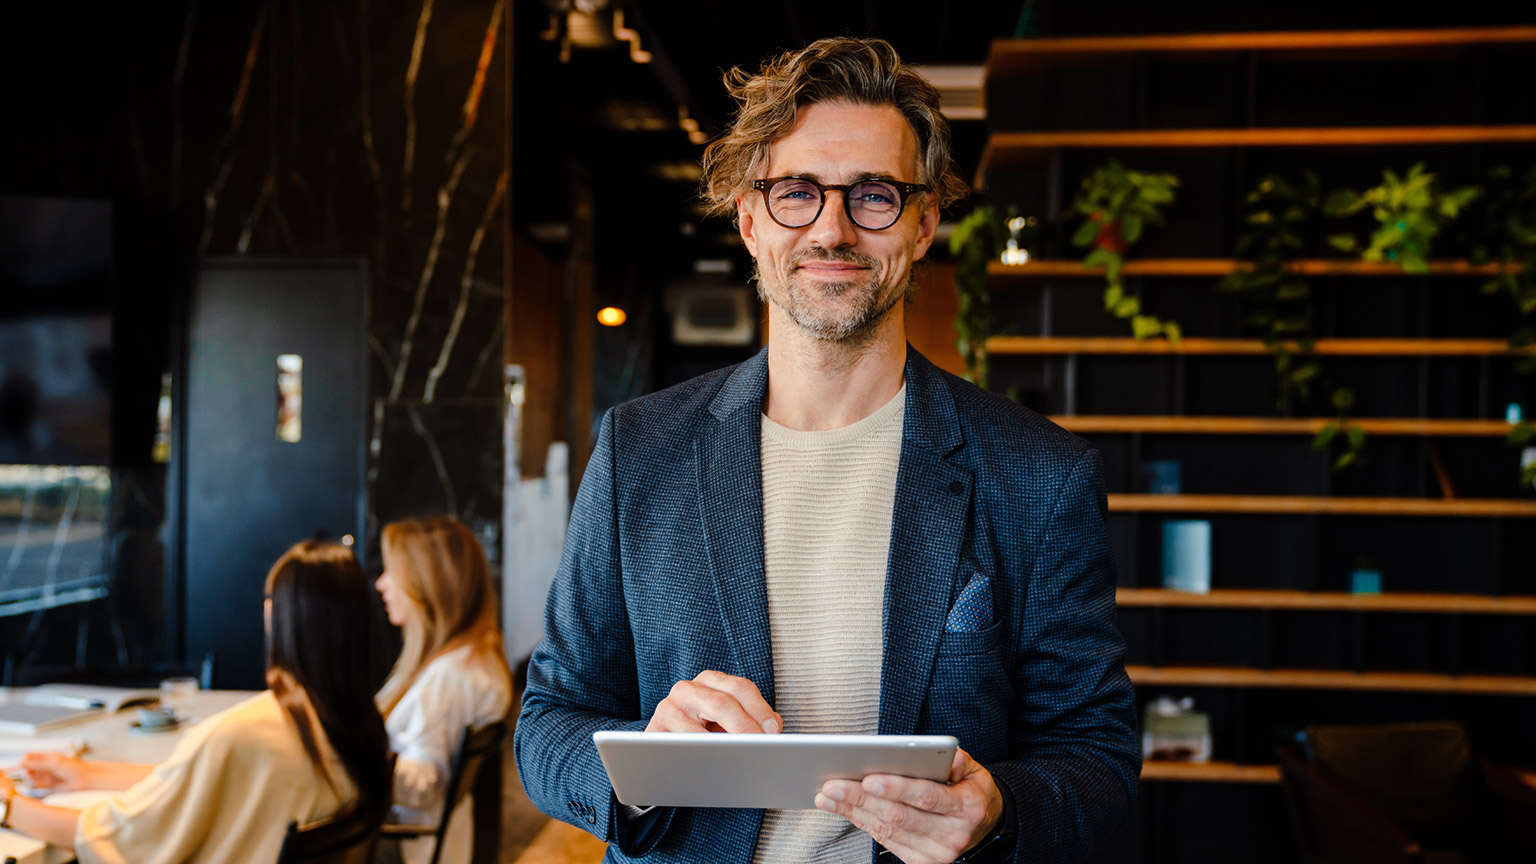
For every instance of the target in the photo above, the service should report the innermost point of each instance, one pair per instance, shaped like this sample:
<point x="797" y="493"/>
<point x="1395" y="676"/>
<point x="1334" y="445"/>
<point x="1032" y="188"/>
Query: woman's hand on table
<point x="56" y="772"/>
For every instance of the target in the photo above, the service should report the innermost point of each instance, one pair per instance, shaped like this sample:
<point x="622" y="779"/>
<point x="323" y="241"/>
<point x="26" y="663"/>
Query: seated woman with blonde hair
<point x="451" y="672"/>
<point x="309" y="747"/>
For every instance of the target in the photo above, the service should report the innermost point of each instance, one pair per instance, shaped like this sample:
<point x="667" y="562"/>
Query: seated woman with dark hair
<point x="311" y="746"/>
<point x="451" y="672"/>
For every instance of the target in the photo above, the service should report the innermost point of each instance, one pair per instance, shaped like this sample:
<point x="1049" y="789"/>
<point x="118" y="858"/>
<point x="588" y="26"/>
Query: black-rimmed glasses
<point x="873" y="204"/>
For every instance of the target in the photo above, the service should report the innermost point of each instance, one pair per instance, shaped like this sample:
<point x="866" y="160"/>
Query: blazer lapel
<point x="927" y="530"/>
<point x="730" y="484"/>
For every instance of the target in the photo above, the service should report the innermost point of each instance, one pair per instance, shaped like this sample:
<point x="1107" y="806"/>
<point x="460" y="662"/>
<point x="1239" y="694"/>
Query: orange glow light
<point x="611" y="316"/>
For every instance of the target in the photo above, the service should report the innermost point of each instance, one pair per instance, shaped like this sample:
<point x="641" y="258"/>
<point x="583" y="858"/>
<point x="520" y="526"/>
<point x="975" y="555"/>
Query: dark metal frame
<point x="906" y="190"/>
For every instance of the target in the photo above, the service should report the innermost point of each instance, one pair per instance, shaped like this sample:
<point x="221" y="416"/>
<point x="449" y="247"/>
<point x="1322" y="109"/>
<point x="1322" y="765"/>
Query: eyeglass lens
<point x="871" y="204"/>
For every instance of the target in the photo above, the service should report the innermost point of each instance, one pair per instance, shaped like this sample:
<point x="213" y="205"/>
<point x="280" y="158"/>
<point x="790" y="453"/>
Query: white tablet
<point x="784" y="771"/>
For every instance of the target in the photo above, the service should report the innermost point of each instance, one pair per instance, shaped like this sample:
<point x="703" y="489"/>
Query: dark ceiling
<point x="566" y="108"/>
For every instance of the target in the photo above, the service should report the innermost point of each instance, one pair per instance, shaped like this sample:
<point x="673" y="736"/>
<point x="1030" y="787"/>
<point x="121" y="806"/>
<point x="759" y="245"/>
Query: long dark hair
<point x="319" y="658"/>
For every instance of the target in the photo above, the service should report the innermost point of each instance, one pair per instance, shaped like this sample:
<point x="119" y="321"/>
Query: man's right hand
<point x="714" y="702"/>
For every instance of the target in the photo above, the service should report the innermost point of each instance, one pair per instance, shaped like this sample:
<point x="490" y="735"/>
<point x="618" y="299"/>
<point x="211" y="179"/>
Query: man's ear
<point x="927" y="226"/>
<point x="745" y="225"/>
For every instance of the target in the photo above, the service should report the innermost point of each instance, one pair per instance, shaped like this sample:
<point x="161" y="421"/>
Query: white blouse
<point x="449" y="694"/>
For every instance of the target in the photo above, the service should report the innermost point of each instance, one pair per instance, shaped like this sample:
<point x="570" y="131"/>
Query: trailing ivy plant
<point x="1409" y="211"/>
<point x="1117" y="205"/>
<point x="1509" y="240"/>
<point x="975" y="243"/>
<point x="1278" y="301"/>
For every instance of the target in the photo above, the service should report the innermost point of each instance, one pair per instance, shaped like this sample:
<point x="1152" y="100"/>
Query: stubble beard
<point x="799" y="298"/>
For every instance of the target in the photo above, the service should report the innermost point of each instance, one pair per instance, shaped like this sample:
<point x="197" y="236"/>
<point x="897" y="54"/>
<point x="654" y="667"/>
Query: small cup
<point x="155" y="717"/>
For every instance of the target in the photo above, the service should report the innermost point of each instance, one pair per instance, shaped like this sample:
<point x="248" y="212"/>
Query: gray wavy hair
<point x="861" y="71"/>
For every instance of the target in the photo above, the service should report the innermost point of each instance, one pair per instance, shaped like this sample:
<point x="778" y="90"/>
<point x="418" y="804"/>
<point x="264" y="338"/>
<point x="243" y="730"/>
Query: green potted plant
<point x="1409" y="211"/>
<point x="1116" y="205"/>
<point x="975" y="242"/>
<point x="1277" y="299"/>
<point x="1507" y="237"/>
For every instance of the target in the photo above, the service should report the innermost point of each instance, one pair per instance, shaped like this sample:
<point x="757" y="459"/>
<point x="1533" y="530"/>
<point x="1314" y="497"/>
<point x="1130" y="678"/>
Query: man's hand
<point x="921" y="821"/>
<point x="714" y="702"/>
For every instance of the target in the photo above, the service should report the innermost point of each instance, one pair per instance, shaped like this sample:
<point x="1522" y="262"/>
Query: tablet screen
<point x="785" y="771"/>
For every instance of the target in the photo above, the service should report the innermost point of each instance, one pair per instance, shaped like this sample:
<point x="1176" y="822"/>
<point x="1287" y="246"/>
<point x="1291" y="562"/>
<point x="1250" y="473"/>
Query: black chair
<point x="474" y="746"/>
<point x="1403" y="793"/>
<point x="347" y="840"/>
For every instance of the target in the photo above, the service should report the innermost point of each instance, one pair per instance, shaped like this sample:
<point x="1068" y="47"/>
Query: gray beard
<point x="851" y="331"/>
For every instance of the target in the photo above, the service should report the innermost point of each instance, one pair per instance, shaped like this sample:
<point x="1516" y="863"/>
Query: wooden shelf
<point x="1025" y="149"/>
<point x="1038" y="345"/>
<point x="1088" y="424"/>
<point x="1321" y="505"/>
<point x="1331" y="601"/>
<point x="1330" y="679"/>
<point x="1066" y="268"/>
<point x="1209" y="772"/>
<point x="1011" y="57"/>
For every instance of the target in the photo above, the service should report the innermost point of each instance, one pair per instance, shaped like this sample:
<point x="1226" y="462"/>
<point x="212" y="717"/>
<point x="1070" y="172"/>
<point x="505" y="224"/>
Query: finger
<point x="924" y="795"/>
<point x="669" y="718"/>
<point x="914" y="836"/>
<point x="699" y="705"/>
<point x="747" y="696"/>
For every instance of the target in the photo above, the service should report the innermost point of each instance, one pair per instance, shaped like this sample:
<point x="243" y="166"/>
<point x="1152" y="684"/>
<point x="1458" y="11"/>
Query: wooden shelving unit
<point x="1044" y="345"/>
<point x="1209" y="772"/>
<point x="1248" y="130"/>
<point x="1014" y="57"/>
<point x="1006" y="150"/>
<point x="1331" y="679"/>
<point x="1321" y="505"/>
<point x="1066" y="268"/>
<point x="1329" y="601"/>
<point x="1139" y="424"/>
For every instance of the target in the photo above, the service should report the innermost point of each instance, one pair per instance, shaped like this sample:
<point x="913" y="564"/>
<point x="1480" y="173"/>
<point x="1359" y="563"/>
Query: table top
<point x="110" y="738"/>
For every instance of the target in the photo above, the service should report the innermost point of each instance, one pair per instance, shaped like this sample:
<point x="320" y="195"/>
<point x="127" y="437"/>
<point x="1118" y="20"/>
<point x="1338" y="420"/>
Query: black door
<point x="272" y="442"/>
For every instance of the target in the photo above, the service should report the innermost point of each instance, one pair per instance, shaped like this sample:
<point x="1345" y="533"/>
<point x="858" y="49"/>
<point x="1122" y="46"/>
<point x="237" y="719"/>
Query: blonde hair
<point x="860" y="71"/>
<point x="441" y="568"/>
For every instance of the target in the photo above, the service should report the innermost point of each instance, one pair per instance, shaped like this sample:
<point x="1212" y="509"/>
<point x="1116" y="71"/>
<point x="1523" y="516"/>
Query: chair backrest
<point x="348" y="840"/>
<point x="1420" y="775"/>
<point x="474" y="746"/>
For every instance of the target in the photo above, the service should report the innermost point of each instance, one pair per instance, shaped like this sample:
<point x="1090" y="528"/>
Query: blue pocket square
<point x="972" y="611"/>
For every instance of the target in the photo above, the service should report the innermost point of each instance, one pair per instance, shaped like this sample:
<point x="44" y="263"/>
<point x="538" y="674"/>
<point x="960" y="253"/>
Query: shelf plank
<point x="1087" y="424"/>
<point x="1066" y="268"/>
<point x="1024" y="149"/>
<point x="1333" y="601"/>
<point x="1320" y="505"/>
<point x="1009" y="57"/>
<point x="1331" y="679"/>
<point x="1038" y="345"/>
<point x="1209" y="772"/>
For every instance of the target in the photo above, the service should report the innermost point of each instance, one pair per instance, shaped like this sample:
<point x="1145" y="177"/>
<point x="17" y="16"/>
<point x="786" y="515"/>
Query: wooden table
<point x="108" y="737"/>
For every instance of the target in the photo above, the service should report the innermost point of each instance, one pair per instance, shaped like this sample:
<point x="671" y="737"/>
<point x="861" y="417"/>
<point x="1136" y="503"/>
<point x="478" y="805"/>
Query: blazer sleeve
<point x="1077" y="757"/>
<point x="582" y="676"/>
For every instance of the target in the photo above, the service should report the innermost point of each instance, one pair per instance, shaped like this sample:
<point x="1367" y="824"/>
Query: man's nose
<point x="832" y="228"/>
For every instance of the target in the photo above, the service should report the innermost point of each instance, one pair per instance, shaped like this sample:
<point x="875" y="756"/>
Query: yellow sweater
<point x="226" y="794"/>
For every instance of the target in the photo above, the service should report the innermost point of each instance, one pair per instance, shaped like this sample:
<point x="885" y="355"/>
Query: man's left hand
<point x="921" y="821"/>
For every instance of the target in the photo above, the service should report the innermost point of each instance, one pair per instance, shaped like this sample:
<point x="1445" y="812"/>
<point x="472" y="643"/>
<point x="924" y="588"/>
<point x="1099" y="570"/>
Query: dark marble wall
<point x="341" y="128"/>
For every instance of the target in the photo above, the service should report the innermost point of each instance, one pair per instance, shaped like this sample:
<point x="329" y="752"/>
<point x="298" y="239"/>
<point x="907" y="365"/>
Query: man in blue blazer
<point x="835" y="536"/>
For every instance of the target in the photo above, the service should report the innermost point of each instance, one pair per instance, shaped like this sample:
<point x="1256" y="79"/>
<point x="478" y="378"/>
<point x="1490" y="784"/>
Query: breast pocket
<point x="970" y="693"/>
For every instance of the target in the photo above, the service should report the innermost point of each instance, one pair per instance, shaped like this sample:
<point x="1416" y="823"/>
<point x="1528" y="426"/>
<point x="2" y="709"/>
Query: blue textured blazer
<point x="662" y="578"/>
